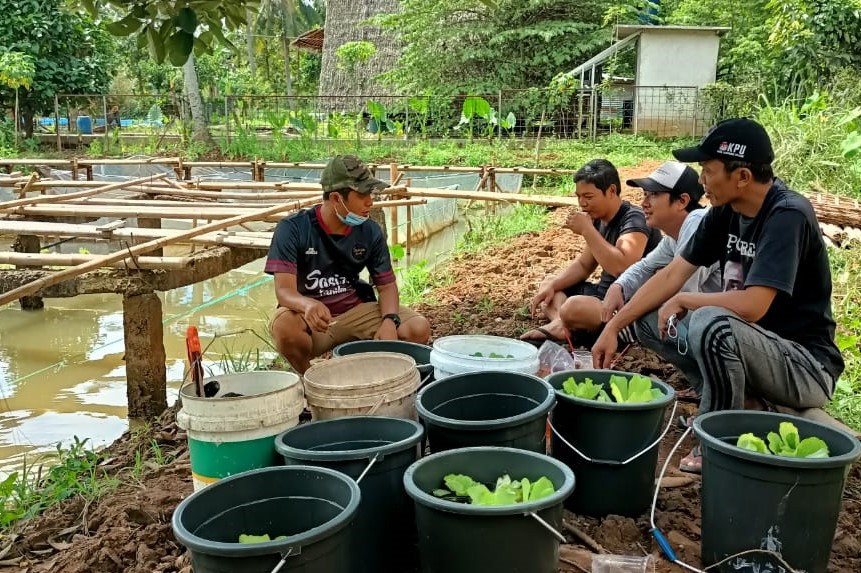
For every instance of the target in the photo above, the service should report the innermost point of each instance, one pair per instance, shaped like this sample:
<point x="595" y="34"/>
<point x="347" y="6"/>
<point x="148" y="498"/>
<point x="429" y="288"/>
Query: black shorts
<point x="586" y="288"/>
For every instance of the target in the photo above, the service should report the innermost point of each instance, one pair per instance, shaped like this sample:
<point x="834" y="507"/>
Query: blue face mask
<point x="350" y="219"/>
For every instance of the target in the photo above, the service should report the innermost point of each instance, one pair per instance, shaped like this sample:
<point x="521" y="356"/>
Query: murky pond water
<point x="62" y="372"/>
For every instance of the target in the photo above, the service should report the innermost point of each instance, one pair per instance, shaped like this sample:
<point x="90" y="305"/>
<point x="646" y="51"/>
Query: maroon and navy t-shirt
<point x="299" y="248"/>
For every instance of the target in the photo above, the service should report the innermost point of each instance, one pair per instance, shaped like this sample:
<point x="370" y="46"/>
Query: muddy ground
<point x="128" y="530"/>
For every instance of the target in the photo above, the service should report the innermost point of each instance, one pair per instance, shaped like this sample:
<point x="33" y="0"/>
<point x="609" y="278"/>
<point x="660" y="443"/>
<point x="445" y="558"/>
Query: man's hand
<point x="605" y="348"/>
<point x="387" y="331"/>
<point x="544" y="296"/>
<point x="673" y="307"/>
<point x="317" y="316"/>
<point x="578" y="222"/>
<point x="614" y="300"/>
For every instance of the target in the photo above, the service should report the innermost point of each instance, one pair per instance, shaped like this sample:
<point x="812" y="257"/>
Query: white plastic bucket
<point x="376" y="384"/>
<point x="457" y="355"/>
<point x="227" y="436"/>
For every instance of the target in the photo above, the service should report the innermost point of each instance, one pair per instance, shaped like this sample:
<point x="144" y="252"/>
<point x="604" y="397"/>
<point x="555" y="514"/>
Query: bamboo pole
<point x="61" y="276"/>
<point x="409" y="223"/>
<point x="71" y="184"/>
<point x="394" y="177"/>
<point x="71" y="260"/>
<point x="17" y="203"/>
<point x="183" y="210"/>
<point x="548" y="200"/>
<point x="28" y="185"/>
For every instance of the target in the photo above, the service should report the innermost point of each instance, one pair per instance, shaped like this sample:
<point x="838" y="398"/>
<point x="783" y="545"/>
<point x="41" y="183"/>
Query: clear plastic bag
<point x="554" y="358"/>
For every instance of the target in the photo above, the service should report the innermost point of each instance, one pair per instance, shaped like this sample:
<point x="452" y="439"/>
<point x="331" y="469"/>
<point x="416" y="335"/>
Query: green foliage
<point x="16" y="70"/>
<point x="587" y="390"/>
<point x="635" y="389"/>
<point x="246" y="538"/>
<point x="173" y="29"/>
<point x="845" y="269"/>
<point x="507" y="491"/>
<point x="73" y="472"/>
<point x="462" y="46"/>
<point x="815" y="143"/>
<point x="353" y="54"/>
<point x="60" y="51"/>
<point x="785" y="442"/>
<point x="380" y="117"/>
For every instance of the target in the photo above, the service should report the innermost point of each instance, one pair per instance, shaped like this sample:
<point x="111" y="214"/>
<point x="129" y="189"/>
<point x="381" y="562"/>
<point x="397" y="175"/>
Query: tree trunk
<point x="249" y="38"/>
<point x="288" y="28"/>
<point x="341" y="18"/>
<point x="200" y="128"/>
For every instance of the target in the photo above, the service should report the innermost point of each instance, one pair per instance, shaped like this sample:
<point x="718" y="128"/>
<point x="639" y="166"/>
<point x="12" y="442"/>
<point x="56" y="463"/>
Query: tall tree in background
<point x="466" y="46"/>
<point x="288" y="19"/>
<point x="69" y="54"/>
<point x="345" y="22"/>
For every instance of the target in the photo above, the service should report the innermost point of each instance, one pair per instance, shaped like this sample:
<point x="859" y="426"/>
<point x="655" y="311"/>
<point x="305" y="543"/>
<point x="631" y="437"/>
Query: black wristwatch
<point x="394" y="318"/>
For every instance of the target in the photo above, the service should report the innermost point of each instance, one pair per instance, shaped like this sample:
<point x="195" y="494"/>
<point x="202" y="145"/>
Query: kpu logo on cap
<point x="734" y="149"/>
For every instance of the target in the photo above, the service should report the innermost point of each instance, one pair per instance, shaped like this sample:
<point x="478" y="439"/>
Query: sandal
<point x="548" y="336"/>
<point x="693" y="462"/>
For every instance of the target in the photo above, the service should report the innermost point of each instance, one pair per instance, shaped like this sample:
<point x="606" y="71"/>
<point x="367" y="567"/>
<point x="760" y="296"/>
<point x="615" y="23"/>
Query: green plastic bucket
<point x="377" y="451"/>
<point x="312" y="507"/>
<point x="753" y="501"/>
<point x="463" y="538"/>
<point x="227" y="436"/>
<point x="612" y="448"/>
<point x="489" y="408"/>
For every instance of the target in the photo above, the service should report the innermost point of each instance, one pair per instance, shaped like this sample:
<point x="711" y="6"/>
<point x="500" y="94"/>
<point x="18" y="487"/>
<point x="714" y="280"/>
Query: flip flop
<point x="696" y="467"/>
<point x="537" y="342"/>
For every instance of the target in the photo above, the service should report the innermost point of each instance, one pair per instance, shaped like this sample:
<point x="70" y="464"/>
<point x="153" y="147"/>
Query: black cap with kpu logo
<point x="740" y="139"/>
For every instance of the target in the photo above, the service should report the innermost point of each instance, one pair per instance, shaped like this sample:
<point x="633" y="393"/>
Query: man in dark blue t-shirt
<point x="768" y="338"/>
<point x="316" y="257"/>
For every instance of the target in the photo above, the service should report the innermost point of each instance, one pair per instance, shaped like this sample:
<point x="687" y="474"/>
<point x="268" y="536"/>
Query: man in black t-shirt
<point x="316" y="257"/>
<point x="768" y="338"/>
<point x="616" y="236"/>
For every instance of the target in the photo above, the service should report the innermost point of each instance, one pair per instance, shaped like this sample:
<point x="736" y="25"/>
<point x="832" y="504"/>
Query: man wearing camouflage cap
<point x="316" y="257"/>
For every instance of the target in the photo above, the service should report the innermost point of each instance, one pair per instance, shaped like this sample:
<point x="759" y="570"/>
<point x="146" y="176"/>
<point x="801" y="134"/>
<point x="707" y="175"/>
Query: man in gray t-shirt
<point x="671" y="203"/>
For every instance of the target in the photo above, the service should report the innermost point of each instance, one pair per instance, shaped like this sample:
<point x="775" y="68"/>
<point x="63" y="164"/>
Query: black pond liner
<point x="314" y="507"/>
<point x="419" y="352"/>
<point x="462" y="538"/>
<point x="487" y="408"/>
<point x="608" y="434"/>
<point x="384" y="531"/>
<point x="760" y="501"/>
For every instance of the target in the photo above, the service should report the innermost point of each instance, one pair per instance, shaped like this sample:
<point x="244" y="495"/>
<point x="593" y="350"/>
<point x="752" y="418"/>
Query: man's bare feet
<point x="554" y="331"/>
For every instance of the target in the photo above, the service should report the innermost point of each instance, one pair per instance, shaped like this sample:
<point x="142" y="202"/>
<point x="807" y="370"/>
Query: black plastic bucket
<point x="314" y="507"/>
<point x="760" y="501"/>
<point x="608" y="434"/>
<point x="419" y="352"/>
<point x="462" y="538"/>
<point x="489" y="408"/>
<point x="384" y="531"/>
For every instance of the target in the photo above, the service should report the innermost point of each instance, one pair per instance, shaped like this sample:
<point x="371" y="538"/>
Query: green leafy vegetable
<point x="785" y="442"/>
<point x="637" y="389"/>
<point x="586" y="390"/>
<point x="245" y="538"/>
<point x="752" y="442"/>
<point x="507" y="491"/>
<point x="492" y="355"/>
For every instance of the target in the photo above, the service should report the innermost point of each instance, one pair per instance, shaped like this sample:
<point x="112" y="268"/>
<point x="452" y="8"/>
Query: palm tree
<point x="288" y="19"/>
<point x="200" y="129"/>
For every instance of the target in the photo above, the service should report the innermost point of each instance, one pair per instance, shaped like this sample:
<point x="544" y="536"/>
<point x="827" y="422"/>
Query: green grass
<point x="68" y="473"/>
<point x="845" y="268"/>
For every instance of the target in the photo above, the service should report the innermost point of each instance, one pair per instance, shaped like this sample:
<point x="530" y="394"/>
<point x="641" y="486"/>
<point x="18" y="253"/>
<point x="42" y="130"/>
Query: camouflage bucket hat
<point x="348" y="172"/>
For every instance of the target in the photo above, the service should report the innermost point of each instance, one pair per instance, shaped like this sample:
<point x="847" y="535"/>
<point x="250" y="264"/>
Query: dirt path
<point x="128" y="530"/>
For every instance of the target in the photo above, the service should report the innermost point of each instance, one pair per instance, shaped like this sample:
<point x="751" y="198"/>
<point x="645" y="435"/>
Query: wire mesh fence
<point x="659" y="111"/>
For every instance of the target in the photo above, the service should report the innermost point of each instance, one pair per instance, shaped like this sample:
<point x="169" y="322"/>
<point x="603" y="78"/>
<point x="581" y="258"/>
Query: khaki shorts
<point x="359" y="323"/>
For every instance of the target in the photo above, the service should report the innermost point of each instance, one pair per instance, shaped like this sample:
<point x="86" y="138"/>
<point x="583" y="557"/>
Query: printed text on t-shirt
<point x="744" y="248"/>
<point x="327" y="286"/>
